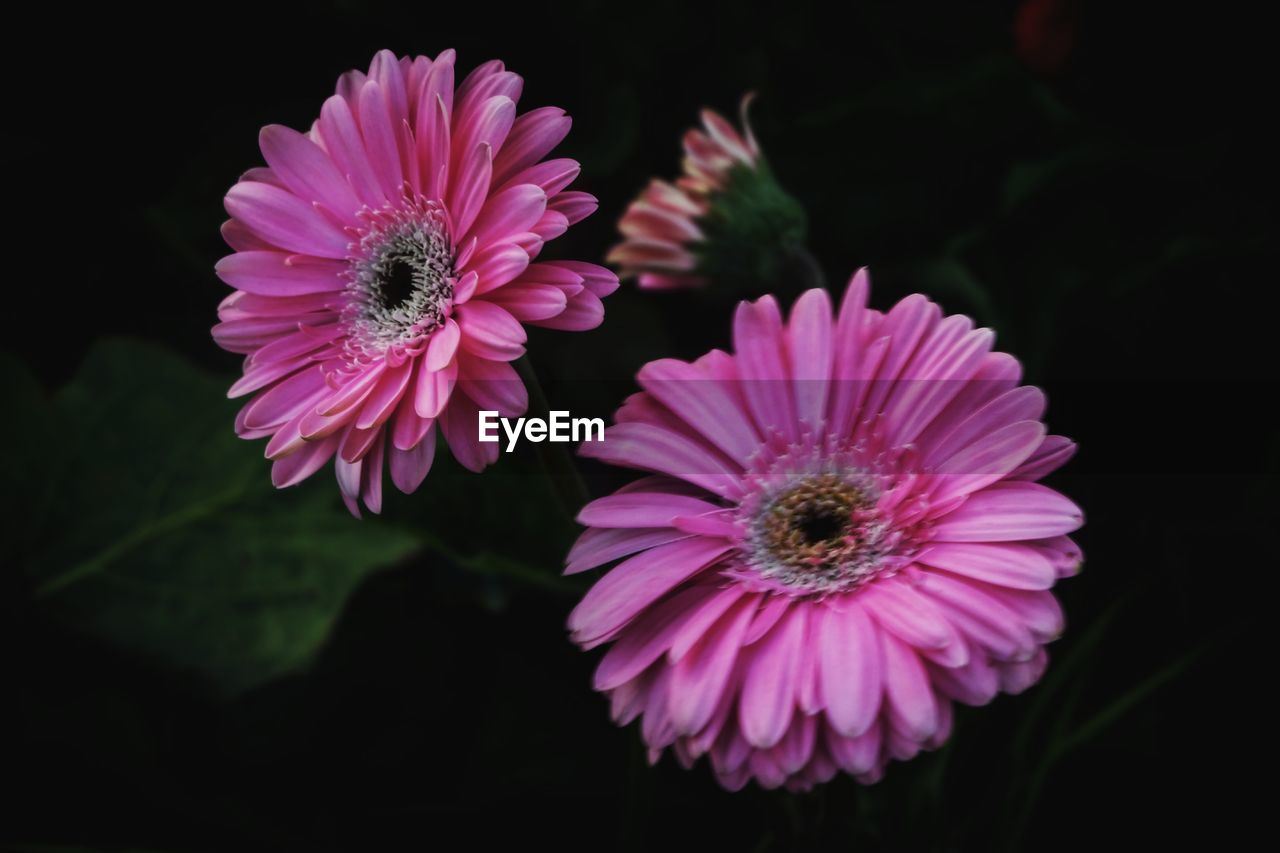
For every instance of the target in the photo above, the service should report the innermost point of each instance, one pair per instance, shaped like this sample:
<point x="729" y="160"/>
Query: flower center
<point x="401" y="277"/>
<point x="807" y="521"/>
<point x="399" y="282"/>
<point x="818" y="532"/>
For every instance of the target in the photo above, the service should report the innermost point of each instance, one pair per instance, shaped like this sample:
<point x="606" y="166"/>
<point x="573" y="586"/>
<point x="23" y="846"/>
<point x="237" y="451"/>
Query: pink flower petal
<point x="911" y="617"/>
<point x="1009" y="511"/>
<point x="599" y="280"/>
<point x="987" y="460"/>
<point x="533" y="135"/>
<point x="469" y="186"/>
<point x="850" y="672"/>
<point x="307" y="171"/>
<point x="706" y="405"/>
<point x="279" y="274"/>
<point x="282" y="402"/>
<point x="573" y="206"/>
<point x="702" y="676"/>
<point x="1010" y="407"/>
<point x="908" y="696"/>
<point x="641" y="509"/>
<point x="510" y="212"/>
<point x="1051" y="455"/>
<point x="599" y="546"/>
<point x="528" y="301"/>
<point x="552" y="175"/>
<point x="380" y="139"/>
<point x="634" y="584"/>
<point x="1005" y="564"/>
<point x="631" y="656"/>
<point x="768" y="698"/>
<point x="583" y="312"/>
<point x="342" y="139"/>
<point x="498" y="265"/>
<point x="378" y="407"/>
<point x="434" y="390"/>
<point x="492" y="385"/>
<point x="809" y="348"/>
<point x="409" y="467"/>
<point x="490" y="332"/>
<point x="442" y="346"/>
<point x="282" y="219"/>
<point x="460" y="425"/>
<point x="760" y="346"/>
<point x="296" y="467"/>
<point x="639" y="445"/>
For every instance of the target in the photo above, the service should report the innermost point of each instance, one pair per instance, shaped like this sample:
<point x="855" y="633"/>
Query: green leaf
<point x="160" y="532"/>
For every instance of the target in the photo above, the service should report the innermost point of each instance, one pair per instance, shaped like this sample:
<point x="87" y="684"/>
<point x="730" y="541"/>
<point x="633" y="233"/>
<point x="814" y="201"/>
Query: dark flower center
<point x="397" y="284"/>
<point x="820" y="533"/>
<point x="819" y="525"/>
<point x="804" y="525"/>
<point x="402" y="280"/>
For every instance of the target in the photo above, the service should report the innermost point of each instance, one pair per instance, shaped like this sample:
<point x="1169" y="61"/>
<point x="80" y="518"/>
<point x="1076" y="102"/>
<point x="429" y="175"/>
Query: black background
<point x="1116" y="225"/>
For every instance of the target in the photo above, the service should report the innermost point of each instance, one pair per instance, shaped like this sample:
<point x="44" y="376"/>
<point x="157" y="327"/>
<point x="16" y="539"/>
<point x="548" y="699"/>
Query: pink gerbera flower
<point x="724" y="218"/>
<point x="840" y="536"/>
<point x="383" y="271"/>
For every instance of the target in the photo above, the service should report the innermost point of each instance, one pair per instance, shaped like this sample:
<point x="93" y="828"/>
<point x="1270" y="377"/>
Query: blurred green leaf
<point x="158" y="530"/>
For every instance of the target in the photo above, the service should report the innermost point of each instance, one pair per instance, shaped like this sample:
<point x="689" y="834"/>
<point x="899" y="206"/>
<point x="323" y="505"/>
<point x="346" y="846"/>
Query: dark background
<point x="1099" y="189"/>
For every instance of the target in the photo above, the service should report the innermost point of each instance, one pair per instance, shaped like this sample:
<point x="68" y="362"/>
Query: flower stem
<point x="557" y="459"/>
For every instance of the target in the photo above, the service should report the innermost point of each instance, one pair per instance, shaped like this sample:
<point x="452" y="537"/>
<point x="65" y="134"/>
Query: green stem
<point x="556" y="457"/>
